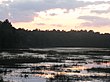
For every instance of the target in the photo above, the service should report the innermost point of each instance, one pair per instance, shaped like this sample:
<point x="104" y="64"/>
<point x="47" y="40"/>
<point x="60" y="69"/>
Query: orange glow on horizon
<point x="32" y="26"/>
<point x="63" y="19"/>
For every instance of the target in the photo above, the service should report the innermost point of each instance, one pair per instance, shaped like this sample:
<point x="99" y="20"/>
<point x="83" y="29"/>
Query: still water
<point x="55" y="65"/>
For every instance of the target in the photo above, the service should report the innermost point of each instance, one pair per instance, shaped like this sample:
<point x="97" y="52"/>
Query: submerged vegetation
<point x="11" y="38"/>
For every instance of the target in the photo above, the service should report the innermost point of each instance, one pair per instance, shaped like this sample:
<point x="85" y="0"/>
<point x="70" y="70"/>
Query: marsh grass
<point x="99" y="70"/>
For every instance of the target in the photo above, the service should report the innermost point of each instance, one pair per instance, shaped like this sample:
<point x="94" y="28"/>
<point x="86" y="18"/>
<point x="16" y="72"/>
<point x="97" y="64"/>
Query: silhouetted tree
<point x="7" y="35"/>
<point x="21" y="38"/>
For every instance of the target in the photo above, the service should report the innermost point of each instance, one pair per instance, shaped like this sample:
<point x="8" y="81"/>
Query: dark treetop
<point x="11" y="38"/>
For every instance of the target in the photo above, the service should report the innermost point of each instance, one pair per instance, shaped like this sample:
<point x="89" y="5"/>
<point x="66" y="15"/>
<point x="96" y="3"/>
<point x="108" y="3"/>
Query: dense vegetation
<point x="21" y="38"/>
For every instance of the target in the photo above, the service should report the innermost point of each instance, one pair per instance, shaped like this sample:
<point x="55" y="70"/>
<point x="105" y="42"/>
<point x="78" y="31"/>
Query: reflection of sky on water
<point x="62" y="49"/>
<point x="20" y="79"/>
<point x="69" y="65"/>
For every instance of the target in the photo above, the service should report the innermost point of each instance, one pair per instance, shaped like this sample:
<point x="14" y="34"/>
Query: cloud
<point x="25" y="10"/>
<point x="11" y="10"/>
<point x="103" y="8"/>
<point x="95" y="21"/>
<point x="42" y="5"/>
<point x="53" y="14"/>
<point x="4" y="13"/>
<point x="24" y="16"/>
<point x="5" y="1"/>
<point x="41" y="24"/>
<point x="101" y="11"/>
<point x="64" y="4"/>
<point x="58" y="25"/>
<point x="94" y="0"/>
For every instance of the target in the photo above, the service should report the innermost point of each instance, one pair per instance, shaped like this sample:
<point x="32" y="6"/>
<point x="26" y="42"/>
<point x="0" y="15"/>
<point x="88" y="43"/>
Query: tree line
<point x="11" y="37"/>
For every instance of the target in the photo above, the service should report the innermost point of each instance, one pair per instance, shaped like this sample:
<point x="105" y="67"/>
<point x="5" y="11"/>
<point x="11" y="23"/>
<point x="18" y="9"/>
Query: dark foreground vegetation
<point x="21" y="38"/>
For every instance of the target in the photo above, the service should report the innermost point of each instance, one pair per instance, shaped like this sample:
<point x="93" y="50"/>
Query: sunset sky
<point x="57" y="14"/>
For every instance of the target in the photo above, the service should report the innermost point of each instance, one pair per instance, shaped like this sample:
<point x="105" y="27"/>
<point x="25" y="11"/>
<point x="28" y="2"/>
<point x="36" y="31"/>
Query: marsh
<point x="55" y="65"/>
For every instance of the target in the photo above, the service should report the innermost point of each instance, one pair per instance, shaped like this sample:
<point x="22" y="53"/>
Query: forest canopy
<point x="11" y="37"/>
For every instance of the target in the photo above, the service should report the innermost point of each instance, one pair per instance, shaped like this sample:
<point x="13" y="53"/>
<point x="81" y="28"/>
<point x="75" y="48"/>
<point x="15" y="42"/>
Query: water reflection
<point x="56" y="65"/>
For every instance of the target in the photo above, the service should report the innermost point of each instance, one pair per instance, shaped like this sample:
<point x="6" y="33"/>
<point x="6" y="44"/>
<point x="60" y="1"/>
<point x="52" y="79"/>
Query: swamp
<point x="55" y="65"/>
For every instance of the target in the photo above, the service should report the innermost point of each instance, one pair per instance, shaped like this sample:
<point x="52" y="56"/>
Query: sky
<point x="57" y="14"/>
